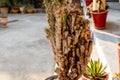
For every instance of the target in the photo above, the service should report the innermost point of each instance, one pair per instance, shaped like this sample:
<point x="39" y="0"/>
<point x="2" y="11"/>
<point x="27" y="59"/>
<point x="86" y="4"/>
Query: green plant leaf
<point x="117" y="75"/>
<point x="95" y="70"/>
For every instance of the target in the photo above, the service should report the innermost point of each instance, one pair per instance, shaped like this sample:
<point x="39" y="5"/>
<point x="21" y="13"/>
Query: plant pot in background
<point x="4" y="10"/>
<point x="84" y="78"/>
<point x="22" y="9"/>
<point x="88" y="2"/>
<point x="15" y="11"/>
<point x="119" y="55"/>
<point x="4" y="22"/>
<point x="30" y="10"/>
<point x="116" y="76"/>
<point x="99" y="19"/>
<point x="89" y="5"/>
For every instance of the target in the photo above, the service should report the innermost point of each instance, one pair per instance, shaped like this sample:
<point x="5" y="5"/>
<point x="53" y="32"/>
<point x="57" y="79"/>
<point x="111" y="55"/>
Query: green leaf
<point x="96" y="70"/>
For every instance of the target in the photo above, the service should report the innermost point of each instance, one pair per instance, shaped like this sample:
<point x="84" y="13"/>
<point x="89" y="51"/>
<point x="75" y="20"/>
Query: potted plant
<point x="88" y="2"/>
<point x="4" y="6"/>
<point x="22" y="8"/>
<point x="29" y="8"/>
<point x="95" y="71"/>
<point x="4" y="20"/>
<point x="116" y="76"/>
<point x="15" y="10"/>
<point x="15" y="6"/>
<point x="99" y="13"/>
<point x="118" y="46"/>
<point x="68" y="34"/>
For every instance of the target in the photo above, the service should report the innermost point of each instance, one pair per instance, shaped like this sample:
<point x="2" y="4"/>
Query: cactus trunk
<point x="68" y="35"/>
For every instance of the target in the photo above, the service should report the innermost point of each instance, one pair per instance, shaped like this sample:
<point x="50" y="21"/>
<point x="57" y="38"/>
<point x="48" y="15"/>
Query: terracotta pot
<point x="22" y="10"/>
<point x="119" y="55"/>
<point x="4" y="22"/>
<point x="84" y="78"/>
<point x="30" y="10"/>
<point x="99" y="19"/>
<point x="88" y="2"/>
<point x="4" y="10"/>
<point x="15" y="11"/>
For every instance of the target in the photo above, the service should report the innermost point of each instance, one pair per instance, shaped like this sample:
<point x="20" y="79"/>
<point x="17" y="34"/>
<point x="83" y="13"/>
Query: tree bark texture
<point x="68" y="35"/>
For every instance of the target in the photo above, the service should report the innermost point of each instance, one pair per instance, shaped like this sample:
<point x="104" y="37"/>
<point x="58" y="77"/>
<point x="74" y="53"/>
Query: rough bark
<point x="68" y="35"/>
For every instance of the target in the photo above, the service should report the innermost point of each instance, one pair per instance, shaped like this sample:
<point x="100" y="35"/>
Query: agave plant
<point x="116" y="76"/>
<point x="95" y="70"/>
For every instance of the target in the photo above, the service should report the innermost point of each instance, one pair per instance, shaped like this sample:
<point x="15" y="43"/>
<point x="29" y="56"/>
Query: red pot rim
<point x="95" y="12"/>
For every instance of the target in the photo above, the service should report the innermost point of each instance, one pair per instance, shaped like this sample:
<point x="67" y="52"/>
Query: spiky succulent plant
<point x="95" y="70"/>
<point x="116" y="76"/>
